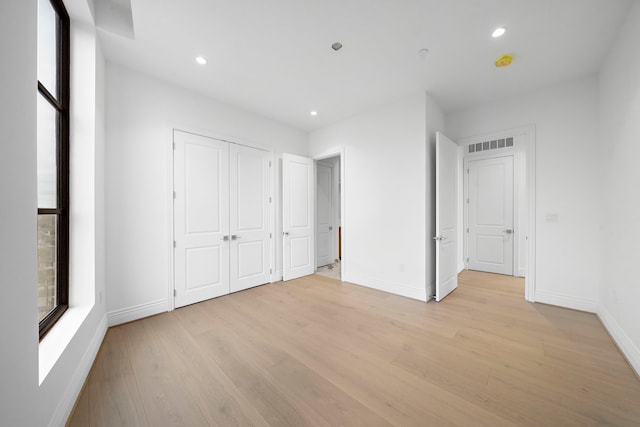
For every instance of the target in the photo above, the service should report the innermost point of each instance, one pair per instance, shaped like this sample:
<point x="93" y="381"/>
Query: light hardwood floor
<point x="319" y="352"/>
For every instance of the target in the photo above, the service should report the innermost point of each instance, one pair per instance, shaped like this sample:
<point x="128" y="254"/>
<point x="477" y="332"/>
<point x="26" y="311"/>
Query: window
<point x="53" y="162"/>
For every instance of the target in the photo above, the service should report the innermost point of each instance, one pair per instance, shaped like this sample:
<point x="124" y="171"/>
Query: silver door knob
<point x="508" y="231"/>
<point x="234" y="237"/>
<point x="286" y="233"/>
<point x="224" y="238"/>
<point x="439" y="238"/>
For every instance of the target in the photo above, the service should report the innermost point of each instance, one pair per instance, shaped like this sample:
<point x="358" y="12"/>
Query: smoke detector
<point x="504" y="61"/>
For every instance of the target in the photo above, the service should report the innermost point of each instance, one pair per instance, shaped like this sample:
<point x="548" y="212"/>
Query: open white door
<point x="324" y="215"/>
<point x="201" y="218"/>
<point x="446" y="216"/>
<point x="297" y="216"/>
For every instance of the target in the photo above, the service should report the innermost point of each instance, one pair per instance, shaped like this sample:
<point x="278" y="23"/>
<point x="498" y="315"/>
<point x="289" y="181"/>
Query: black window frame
<point x="61" y="105"/>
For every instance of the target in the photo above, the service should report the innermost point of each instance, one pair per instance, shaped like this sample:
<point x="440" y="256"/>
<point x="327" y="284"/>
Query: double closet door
<point x="221" y="218"/>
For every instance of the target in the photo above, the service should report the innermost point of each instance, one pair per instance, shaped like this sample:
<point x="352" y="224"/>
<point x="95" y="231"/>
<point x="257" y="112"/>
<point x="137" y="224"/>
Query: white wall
<point x="76" y="337"/>
<point x="568" y="182"/>
<point x="385" y="194"/>
<point x="140" y="114"/>
<point x="67" y="352"/>
<point x="18" y="264"/>
<point x="619" y="115"/>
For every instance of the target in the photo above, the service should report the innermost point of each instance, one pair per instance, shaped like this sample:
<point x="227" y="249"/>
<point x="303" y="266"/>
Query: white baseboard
<point x="392" y="288"/>
<point x="136" y="312"/>
<point x="70" y="396"/>
<point x="630" y="351"/>
<point x="565" y="301"/>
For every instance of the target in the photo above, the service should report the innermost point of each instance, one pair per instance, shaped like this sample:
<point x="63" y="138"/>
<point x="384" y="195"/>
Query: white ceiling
<point x="275" y="58"/>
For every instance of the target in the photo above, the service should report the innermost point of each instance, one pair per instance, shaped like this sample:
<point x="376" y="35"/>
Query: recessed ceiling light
<point x="423" y="53"/>
<point x="201" y="60"/>
<point x="314" y="113"/>
<point x="498" y="32"/>
<point x="336" y="46"/>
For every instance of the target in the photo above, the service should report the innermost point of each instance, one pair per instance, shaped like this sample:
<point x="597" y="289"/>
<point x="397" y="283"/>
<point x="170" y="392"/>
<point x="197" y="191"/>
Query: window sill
<point x="58" y="338"/>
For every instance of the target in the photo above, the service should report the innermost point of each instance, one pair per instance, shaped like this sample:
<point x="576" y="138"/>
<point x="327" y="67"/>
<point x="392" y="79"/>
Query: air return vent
<point x="495" y="144"/>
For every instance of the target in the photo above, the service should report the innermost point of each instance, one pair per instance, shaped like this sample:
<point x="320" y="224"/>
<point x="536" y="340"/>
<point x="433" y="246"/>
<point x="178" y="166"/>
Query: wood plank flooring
<point x="320" y="352"/>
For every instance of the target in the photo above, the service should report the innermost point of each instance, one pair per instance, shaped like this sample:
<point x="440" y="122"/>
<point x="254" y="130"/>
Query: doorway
<point x="498" y="235"/>
<point x="328" y="217"/>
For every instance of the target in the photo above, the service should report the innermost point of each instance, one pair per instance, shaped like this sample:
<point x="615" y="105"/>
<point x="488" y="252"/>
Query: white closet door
<point x="201" y="218"/>
<point x="490" y="234"/>
<point x="249" y="214"/>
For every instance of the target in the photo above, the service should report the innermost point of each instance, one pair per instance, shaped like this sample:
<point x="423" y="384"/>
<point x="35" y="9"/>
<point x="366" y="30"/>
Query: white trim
<point x="566" y="301"/>
<point x="530" y="151"/>
<point x="171" y="303"/>
<point x="622" y="340"/>
<point x="137" y="312"/>
<point x="390" y="287"/>
<point x="70" y="395"/>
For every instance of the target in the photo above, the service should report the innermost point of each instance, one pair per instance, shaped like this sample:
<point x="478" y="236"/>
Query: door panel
<point x="201" y="218"/>
<point x="446" y="216"/>
<point x="324" y="198"/>
<point x="490" y="215"/>
<point x="297" y="216"/>
<point x="249" y="212"/>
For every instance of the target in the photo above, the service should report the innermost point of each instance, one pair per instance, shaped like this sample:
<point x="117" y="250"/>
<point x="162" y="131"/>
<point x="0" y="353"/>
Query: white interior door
<point x="446" y="216"/>
<point x="490" y="215"/>
<point x="201" y="218"/>
<point x="297" y="216"/>
<point x="324" y="215"/>
<point x="249" y="214"/>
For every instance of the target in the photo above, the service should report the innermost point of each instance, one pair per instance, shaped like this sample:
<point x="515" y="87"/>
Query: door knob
<point x="286" y="233"/>
<point x="224" y="238"/>
<point x="234" y="237"/>
<point x="439" y="238"/>
<point x="508" y="231"/>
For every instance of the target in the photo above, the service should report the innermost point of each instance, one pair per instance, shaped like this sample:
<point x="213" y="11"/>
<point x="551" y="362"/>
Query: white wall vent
<point x="496" y="144"/>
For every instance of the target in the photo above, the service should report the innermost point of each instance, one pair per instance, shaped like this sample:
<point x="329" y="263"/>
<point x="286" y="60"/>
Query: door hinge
<point x="270" y="235"/>
<point x="467" y="200"/>
<point x="174" y="145"/>
<point x="269" y="163"/>
<point x="467" y="259"/>
<point x="174" y="194"/>
<point x="467" y="171"/>
<point x="467" y="230"/>
<point x="269" y="199"/>
<point x="174" y="243"/>
<point x="271" y="271"/>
